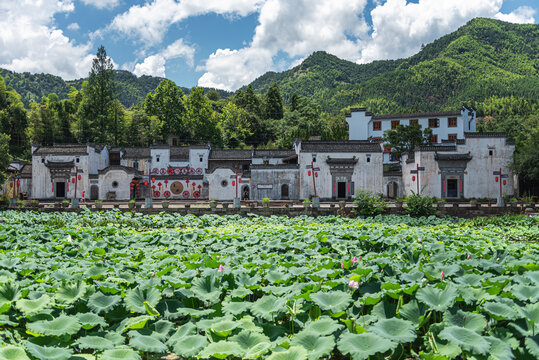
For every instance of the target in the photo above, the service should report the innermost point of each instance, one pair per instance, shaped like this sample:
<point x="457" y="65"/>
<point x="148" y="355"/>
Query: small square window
<point x="434" y="123"/>
<point x="157" y="159"/>
<point x="43" y="160"/>
<point x="77" y="160"/>
<point x="414" y="122"/>
<point x="368" y="159"/>
<point x="314" y="158"/>
<point x="452" y="137"/>
<point x="394" y="124"/>
<point x="201" y="158"/>
<point x="452" y="122"/>
<point x="376" y="125"/>
<point x="434" y="138"/>
<point x="490" y="152"/>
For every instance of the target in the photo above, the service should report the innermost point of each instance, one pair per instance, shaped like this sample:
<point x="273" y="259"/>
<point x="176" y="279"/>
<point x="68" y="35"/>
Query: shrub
<point x="306" y="200"/>
<point x="266" y="200"/>
<point x="419" y="205"/>
<point x="369" y="203"/>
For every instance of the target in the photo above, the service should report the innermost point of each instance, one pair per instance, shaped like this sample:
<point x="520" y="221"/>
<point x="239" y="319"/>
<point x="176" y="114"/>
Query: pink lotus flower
<point x="469" y="256"/>
<point x="418" y="239"/>
<point x="221" y="268"/>
<point x="342" y="265"/>
<point x="442" y="275"/>
<point x="382" y="271"/>
<point x="353" y="284"/>
<point x="153" y="274"/>
<point x="354" y="260"/>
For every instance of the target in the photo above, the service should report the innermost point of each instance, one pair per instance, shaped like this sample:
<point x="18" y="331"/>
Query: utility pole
<point x="499" y="176"/>
<point x="417" y="171"/>
<point x="313" y="171"/>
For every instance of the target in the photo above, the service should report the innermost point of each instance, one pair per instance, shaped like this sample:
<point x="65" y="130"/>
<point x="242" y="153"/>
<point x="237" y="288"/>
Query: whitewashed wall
<point x="219" y="192"/>
<point x="121" y="177"/>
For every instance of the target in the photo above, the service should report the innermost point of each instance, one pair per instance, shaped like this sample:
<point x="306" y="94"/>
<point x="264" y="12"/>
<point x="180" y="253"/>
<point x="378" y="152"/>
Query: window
<point x="135" y="164"/>
<point x="77" y="160"/>
<point x="452" y="122"/>
<point x="452" y="137"/>
<point x="394" y="124"/>
<point x="174" y="142"/>
<point x="43" y="160"/>
<point x="490" y="152"/>
<point x="266" y="162"/>
<point x="392" y="157"/>
<point x="434" y="123"/>
<point x="157" y="159"/>
<point x="434" y="138"/>
<point x="314" y="157"/>
<point x="224" y="183"/>
<point x="414" y="122"/>
<point x="201" y="158"/>
<point x="368" y="159"/>
<point x="115" y="184"/>
<point x="376" y="125"/>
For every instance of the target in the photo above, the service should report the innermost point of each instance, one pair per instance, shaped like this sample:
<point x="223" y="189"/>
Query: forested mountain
<point x="131" y="89"/>
<point x="482" y="59"/>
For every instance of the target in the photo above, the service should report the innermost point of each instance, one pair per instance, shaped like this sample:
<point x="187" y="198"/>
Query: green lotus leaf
<point x="100" y="302"/>
<point x="257" y="351"/>
<point x="293" y="353"/>
<point x="90" y="320"/>
<point x="47" y="353"/>
<point x="526" y="293"/>
<point x="361" y="346"/>
<point x="150" y="309"/>
<point x="206" y="289"/>
<point x="530" y="312"/>
<point x="323" y="326"/>
<point x="533" y="276"/>
<point x="135" y="298"/>
<point x="414" y="311"/>
<point x="120" y="354"/>
<point x="95" y="343"/>
<point x="499" y="349"/>
<point x="11" y="352"/>
<point x="437" y="299"/>
<point x="221" y="350"/>
<point x="240" y="292"/>
<point x="135" y="323"/>
<point x="236" y="308"/>
<point x="70" y="292"/>
<point x="29" y="307"/>
<point x="268" y="306"/>
<point x="468" y="320"/>
<point x="532" y="345"/>
<point x="224" y="327"/>
<point x="8" y="294"/>
<point x="254" y="344"/>
<point x="62" y="325"/>
<point x="163" y="327"/>
<point x="466" y="339"/>
<point x="334" y="301"/>
<point x="187" y="329"/>
<point x="82" y="357"/>
<point x="317" y="346"/>
<point x="401" y="331"/>
<point x="190" y="345"/>
<point x="500" y="311"/>
<point x="384" y="310"/>
<point x="147" y="344"/>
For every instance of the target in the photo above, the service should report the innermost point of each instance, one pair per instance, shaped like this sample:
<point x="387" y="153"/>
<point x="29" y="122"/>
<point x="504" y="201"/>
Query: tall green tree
<point x="202" y="122"/>
<point x="234" y="126"/>
<point x="168" y="104"/>
<point x="273" y="103"/>
<point x="13" y="119"/>
<point x="5" y="158"/>
<point x="405" y="138"/>
<point x="99" y="96"/>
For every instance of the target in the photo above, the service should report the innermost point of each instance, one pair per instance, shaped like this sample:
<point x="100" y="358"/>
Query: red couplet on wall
<point x="443" y="186"/>
<point x="348" y="185"/>
<point x="335" y="187"/>
<point x="73" y="180"/>
<point x="239" y="180"/>
<point x="315" y="174"/>
<point x="461" y="186"/>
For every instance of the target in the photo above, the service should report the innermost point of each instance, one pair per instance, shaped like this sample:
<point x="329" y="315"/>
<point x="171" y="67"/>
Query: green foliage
<point x="405" y="138"/>
<point x="368" y="203"/>
<point x="5" y="158"/>
<point x="167" y="102"/>
<point x="419" y="205"/>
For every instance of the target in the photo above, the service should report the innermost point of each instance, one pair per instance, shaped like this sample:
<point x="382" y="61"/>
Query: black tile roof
<point x="273" y="166"/>
<point x="129" y="170"/>
<point x="340" y="146"/>
<point x="484" y="135"/>
<point x="417" y="115"/>
<point x="136" y="153"/>
<point x="274" y="153"/>
<point x="26" y="171"/>
<point x="62" y="150"/>
<point x="230" y="155"/>
<point x="437" y="148"/>
<point x="179" y="153"/>
<point x="449" y="157"/>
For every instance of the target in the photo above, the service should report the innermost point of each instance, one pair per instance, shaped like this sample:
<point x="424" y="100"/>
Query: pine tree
<point x="273" y="103"/>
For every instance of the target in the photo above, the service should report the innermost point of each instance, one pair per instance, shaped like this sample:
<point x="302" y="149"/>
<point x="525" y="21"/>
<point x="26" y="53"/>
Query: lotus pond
<point x="113" y="286"/>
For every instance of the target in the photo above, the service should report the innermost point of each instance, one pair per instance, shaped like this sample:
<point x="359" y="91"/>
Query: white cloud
<point x="150" y="22"/>
<point x="400" y="27"/>
<point x="101" y="4"/>
<point x="73" y="26"/>
<point x="29" y="41"/>
<point x="155" y="64"/>
<point x="521" y="15"/>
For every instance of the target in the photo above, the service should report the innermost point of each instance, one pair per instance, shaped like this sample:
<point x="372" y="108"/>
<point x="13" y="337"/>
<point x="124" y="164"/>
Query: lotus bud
<point x="442" y="275"/>
<point x="469" y="256"/>
<point x="418" y="239"/>
<point x="221" y="268"/>
<point x="342" y="265"/>
<point x="153" y="274"/>
<point x="354" y="260"/>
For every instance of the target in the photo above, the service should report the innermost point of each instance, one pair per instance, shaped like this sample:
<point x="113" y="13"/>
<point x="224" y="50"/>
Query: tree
<point x="273" y="103"/>
<point x="527" y="153"/>
<point x="117" y="125"/>
<point x="168" y="104"/>
<point x="294" y="102"/>
<point x="202" y="122"/>
<point x="405" y="138"/>
<point x="234" y="126"/>
<point x="98" y="96"/>
<point x="13" y="119"/>
<point x="5" y="158"/>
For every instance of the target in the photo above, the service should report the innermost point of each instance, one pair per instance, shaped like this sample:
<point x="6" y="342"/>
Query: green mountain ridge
<point x="482" y="59"/>
<point x="130" y="88"/>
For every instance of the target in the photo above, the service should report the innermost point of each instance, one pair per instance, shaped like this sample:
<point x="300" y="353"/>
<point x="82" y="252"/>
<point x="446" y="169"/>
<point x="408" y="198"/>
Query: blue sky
<point x="227" y="43"/>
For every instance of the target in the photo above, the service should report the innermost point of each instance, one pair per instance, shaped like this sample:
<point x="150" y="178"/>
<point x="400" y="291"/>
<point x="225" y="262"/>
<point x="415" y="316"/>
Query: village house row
<point x="459" y="163"/>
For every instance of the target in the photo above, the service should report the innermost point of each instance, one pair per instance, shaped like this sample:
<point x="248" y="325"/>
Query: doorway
<point x="60" y="189"/>
<point x="284" y="192"/>
<point x="392" y="190"/>
<point x="452" y="188"/>
<point x="94" y="192"/>
<point x="245" y="192"/>
<point x="341" y="190"/>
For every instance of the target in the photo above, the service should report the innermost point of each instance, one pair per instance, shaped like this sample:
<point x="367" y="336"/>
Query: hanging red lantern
<point x="166" y="181"/>
<point x="199" y="186"/>
<point x="187" y="181"/>
<point x="79" y="177"/>
<point x="159" y="184"/>
<point x="153" y="186"/>
<point x="73" y="180"/>
<point x="496" y="179"/>
<point x="11" y="185"/>
<point x="239" y="180"/>
<point x="18" y="183"/>
<point x="504" y="182"/>
<point x="145" y="183"/>
<point x="413" y="178"/>
<point x="233" y="183"/>
<point x="153" y="179"/>
<point x="309" y="173"/>
<point x="315" y="174"/>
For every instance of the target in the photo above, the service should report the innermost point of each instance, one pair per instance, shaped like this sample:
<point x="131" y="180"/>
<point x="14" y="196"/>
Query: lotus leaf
<point x="468" y="320"/>
<point x="62" y="325"/>
<point x="334" y="301"/>
<point x="95" y="343"/>
<point x="135" y="298"/>
<point x="466" y="339"/>
<point x="100" y="302"/>
<point x="189" y="345"/>
<point x="147" y="344"/>
<point x="90" y="320"/>
<point x="362" y="346"/>
<point x="437" y="299"/>
<point x="401" y="331"/>
<point x="13" y="353"/>
<point x="317" y="346"/>
<point x="323" y="326"/>
<point x="28" y="307"/>
<point x="120" y="354"/>
<point x="293" y="353"/>
<point x="267" y="307"/>
<point x="47" y="353"/>
<point x="221" y="350"/>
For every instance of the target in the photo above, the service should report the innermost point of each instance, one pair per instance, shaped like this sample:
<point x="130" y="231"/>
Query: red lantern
<point x="166" y="181"/>
<point x="187" y="181"/>
<point x="315" y="174"/>
<point x="159" y="184"/>
<point x="153" y="179"/>
<point x="145" y="183"/>
<point x="153" y="186"/>
<point x="73" y="180"/>
<point x="233" y="183"/>
<point x="18" y="183"/>
<point x="79" y="177"/>
<point x="496" y="179"/>
<point x="239" y="180"/>
<point x="199" y="186"/>
<point x="309" y="173"/>
<point x="413" y="178"/>
<point x="11" y="185"/>
<point x="504" y="182"/>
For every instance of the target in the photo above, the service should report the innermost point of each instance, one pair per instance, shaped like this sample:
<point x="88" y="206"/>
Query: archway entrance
<point x="94" y="192"/>
<point x="245" y="192"/>
<point x="392" y="190"/>
<point x="284" y="192"/>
